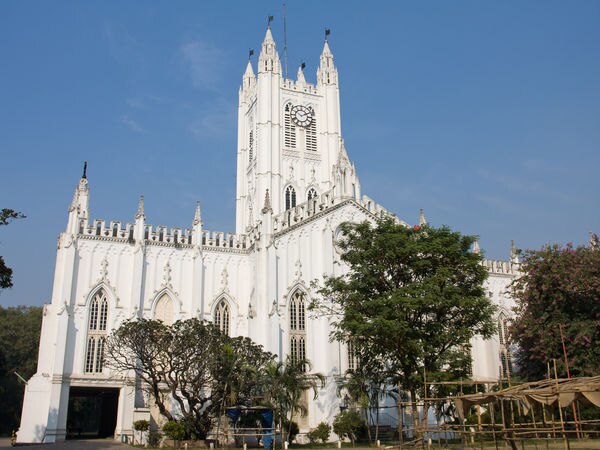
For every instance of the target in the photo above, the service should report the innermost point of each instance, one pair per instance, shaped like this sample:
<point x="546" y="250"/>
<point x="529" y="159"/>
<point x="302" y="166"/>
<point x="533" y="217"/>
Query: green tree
<point x="191" y="363"/>
<point x="347" y="424"/>
<point x="6" y="216"/>
<point x="284" y="384"/>
<point x="20" y="328"/>
<point x="321" y="433"/>
<point x="412" y="297"/>
<point x="559" y="287"/>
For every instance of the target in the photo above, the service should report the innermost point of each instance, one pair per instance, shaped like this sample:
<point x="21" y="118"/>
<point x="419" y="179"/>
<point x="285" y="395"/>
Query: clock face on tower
<point x="301" y="115"/>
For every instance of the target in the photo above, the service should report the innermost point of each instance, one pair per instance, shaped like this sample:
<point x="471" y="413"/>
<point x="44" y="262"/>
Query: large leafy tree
<point x="190" y="362"/>
<point x="559" y="288"/>
<point x="6" y="216"/>
<point x="20" y="328"/>
<point x="412" y="297"/>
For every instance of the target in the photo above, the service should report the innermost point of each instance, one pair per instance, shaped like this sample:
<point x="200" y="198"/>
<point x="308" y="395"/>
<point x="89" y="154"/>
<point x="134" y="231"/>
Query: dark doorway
<point x="92" y="412"/>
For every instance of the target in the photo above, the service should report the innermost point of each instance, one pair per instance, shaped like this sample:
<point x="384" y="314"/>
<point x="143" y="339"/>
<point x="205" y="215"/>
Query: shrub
<point x="321" y="433"/>
<point x="175" y="430"/>
<point x="348" y="424"/>
<point x="141" y="425"/>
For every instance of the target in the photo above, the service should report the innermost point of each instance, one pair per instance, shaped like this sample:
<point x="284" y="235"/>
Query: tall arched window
<point x="163" y="310"/>
<point x="312" y="193"/>
<point x="505" y="356"/>
<point x="311" y="133"/>
<point x="290" y="197"/>
<point x="289" y="129"/>
<point x="351" y="356"/>
<point x="97" y="333"/>
<point x="222" y="316"/>
<point x="297" y="326"/>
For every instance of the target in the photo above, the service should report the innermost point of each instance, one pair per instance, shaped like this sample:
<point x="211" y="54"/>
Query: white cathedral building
<point x="295" y="186"/>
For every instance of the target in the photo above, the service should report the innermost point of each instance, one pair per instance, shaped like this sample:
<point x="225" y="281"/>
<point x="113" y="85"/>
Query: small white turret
<point x="140" y="222"/>
<point x="327" y="73"/>
<point x="249" y="78"/>
<point x="79" y="207"/>
<point x="476" y="248"/>
<point x="301" y="81"/>
<point x="514" y="254"/>
<point x="268" y="61"/>
<point x="197" y="226"/>
<point x="422" y="220"/>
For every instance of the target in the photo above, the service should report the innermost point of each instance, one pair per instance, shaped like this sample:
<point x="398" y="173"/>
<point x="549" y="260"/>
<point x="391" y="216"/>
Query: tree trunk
<point x="415" y="412"/>
<point x="400" y="419"/>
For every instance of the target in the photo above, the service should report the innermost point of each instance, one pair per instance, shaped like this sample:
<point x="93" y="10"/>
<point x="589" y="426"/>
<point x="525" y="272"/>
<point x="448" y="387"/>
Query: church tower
<point x="289" y="137"/>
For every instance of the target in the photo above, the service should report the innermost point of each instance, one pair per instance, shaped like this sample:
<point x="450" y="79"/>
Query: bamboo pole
<point x="562" y="423"/>
<point x="562" y="338"/>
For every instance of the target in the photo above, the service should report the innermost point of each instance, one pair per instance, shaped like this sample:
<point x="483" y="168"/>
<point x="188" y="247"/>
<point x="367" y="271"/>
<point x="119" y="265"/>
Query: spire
<point x="327" y="72"/>
<point x="140" y="210"/>
<point x="422" y="220"/>
<point x="300" y="77"/>
<point x="593" y="241"/>
<point x="267" y="206"/>
<point x="197" y="216"/>
<point x="514" y="253"/>
<point x="268" y="61"/>
<point x="249" y="78"/>
<point x="476" y="248"/>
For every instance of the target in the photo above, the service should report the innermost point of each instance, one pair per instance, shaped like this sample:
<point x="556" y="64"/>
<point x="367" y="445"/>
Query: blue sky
<point x="485" y="114"/>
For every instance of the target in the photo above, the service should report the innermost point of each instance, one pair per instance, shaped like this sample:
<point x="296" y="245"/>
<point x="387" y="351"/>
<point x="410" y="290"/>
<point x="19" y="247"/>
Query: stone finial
<point x="594" y="240"/>
<point x="140" y="210"/>
<point x="476" y="248"/>
<point x="267" y="206"/>
<point x="300" y="76"/>
<point x="422" y="220"/>
<point x="197" y="215"/>
<point x="514" y="253"/>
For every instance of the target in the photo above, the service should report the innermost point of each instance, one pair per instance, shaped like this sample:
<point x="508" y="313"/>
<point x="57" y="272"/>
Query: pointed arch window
<point x="505" y="355"/>
<point x="221" y="319"/>
<point x="289" y="129"/>
<point x="290" y="197"/>
<point x="351" y="356"/>
<point x="97" y="333"/>
<point x="297" y="322"/>
<point x="312" y="193"/>
<point x="163" y="310"/>
<point x="311" y="133"/>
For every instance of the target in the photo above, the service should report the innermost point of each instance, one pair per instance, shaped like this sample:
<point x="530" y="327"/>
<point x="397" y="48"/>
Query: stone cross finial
<point x="298" y="272"/>
<point x="140" y="210"/>
<point x="593" y="240"/>
<point x="104" y="269"/>
<point x="267" y="206"/>
<point x="197" y="216"/>
<point x="224" y="279"/>
<point x="167" y="275"/>
<point x="422" y="220"/>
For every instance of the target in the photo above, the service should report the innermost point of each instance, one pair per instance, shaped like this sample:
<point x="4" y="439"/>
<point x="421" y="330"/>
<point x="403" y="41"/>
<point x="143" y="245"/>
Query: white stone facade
<point x="295" y="186"/>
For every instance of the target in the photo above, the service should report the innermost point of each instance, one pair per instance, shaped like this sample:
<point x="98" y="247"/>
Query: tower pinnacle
<point x="268" y="61"/>
<point x="327" y="73"/>
<point x="197" y="216"/>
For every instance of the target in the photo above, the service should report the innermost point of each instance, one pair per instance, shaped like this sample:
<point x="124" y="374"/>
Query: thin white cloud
<point x="203" y="62"/>
<point x="217" y="121"/>
<point x="133" y="125"/>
